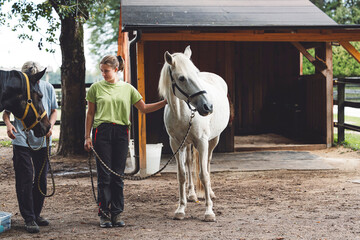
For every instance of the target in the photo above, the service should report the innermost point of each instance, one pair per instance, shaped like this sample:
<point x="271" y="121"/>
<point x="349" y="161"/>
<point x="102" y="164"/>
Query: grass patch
<point x="352" y="138"/>
<point x="5" y="143"/>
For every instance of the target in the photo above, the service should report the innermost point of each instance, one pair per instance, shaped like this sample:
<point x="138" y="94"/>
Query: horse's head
<point x="24" y="101"/>
<point x="185" y="81"/>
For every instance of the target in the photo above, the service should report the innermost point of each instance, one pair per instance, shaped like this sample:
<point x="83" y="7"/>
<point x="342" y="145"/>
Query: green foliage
<point x="104" y="25"/>
<point x="308" y="67"/>
<point x="342" y="11"/>
<point x="344" y="65"/>
<point x="29" y="14"/>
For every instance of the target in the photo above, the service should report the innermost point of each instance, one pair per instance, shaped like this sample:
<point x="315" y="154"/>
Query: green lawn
<point x="352" y="138"/>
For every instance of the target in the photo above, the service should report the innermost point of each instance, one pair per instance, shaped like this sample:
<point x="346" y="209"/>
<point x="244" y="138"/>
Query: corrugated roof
<point x="189" y="14"/>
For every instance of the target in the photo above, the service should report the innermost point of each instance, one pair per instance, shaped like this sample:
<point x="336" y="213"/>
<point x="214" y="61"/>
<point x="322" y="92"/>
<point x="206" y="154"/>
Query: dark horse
<point x="20" y="94"/>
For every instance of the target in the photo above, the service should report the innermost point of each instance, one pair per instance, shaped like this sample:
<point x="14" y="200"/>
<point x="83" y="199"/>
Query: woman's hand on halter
<point x="88" y="144"/>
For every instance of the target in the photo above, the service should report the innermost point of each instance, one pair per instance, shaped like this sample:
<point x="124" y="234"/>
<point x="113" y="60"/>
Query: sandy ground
<point x="278" y="204"/>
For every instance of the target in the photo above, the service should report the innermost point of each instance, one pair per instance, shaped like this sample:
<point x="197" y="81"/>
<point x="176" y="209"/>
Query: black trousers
<point x="27" y="166"/>
<point x="111" y="143"/>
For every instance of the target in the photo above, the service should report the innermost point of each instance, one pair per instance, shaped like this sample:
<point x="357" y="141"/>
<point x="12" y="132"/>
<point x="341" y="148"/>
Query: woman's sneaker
<point x="105" y="222"/>
<point x="117" y="222"/>
<point x="42" y="221"/>
<point x="32" y="227"/>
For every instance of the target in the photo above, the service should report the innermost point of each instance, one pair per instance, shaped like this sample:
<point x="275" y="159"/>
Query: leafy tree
<point x="71" y="17"/>
<point x="343" y="12"/>
<point x="104" y="26"/>
<point x="344" y="65"/>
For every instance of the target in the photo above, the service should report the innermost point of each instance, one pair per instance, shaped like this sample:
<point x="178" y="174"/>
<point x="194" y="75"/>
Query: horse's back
<point x="214" y="81"/>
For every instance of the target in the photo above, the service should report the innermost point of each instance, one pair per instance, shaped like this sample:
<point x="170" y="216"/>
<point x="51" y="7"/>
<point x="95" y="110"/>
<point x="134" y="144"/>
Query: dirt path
<point x="249" y="205"/>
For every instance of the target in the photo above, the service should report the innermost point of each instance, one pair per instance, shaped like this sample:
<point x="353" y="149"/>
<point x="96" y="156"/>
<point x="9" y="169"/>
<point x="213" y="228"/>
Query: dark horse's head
<point x="24" y="100"/>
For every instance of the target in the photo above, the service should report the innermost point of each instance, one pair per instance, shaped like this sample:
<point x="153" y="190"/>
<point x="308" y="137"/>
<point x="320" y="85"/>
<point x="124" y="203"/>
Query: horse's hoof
<point x="179" y="216"/>
<point x="201" y="195"/>
<point x="192" y="198"/>
<point x="210" y="217"/>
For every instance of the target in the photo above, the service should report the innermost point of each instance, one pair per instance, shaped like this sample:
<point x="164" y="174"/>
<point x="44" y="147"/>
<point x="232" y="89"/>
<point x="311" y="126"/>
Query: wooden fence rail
<point x="342" y="103"/>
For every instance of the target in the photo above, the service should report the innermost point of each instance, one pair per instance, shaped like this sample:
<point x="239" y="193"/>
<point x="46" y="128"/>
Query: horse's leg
<point x="181" y="176"/>
<point x="212" y="144"/>
<point x="199" y="188"/>
<point x="203" y="147"/>
<point x="189" y="166"/>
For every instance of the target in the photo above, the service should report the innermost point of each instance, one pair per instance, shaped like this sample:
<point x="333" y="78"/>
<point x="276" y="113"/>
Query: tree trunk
<point x="73" y="103"/>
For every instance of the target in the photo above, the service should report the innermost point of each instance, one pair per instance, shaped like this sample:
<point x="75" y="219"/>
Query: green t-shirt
<point x="113" y="102"/>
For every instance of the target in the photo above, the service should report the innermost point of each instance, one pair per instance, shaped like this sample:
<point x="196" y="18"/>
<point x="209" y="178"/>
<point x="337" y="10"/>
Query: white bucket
<point x="153" y="156"/>
<point x="130" y="163"/>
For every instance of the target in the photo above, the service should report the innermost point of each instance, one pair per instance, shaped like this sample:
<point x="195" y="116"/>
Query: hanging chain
<point x="136" y="178"/>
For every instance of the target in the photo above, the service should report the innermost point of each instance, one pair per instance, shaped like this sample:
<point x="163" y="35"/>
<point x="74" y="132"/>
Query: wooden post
<point x="329" y="95"/>
<point x="123" y="50"/>
<point x="341" y="112"/>
<point x="142" y="116"/>
<point x="324" y="53"/>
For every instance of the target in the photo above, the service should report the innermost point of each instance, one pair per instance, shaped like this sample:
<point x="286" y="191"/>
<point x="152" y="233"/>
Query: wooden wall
<point x="267" y="86"/>
<point x="264" y="85"/>
<point x="214" y="57"/>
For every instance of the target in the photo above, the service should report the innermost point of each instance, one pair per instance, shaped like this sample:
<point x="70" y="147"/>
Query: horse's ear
<point x="36" y="77"/>
<point x="188" y="52"/>
<point x="168" y="58"/>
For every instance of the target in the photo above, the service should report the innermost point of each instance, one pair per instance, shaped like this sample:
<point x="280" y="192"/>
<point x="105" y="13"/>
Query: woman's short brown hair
<point x="113" y="62"/>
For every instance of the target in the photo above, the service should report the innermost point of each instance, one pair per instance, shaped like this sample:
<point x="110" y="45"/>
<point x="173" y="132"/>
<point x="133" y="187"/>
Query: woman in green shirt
<point x="109" y="104"/>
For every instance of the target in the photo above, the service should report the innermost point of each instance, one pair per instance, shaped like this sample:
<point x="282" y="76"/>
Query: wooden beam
<point x="123" y="51"/>
<point x="319" y="64"/>
<point x="327" y="124"/>
<point x="329" y="95"/>
<point x="142" y="116"/>
<point x="256" y="36"/>
<point x="350" y="48"/>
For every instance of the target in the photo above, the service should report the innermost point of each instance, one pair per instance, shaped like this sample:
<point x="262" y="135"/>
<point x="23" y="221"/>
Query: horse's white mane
<point x="164" y="81"/>
<point x="181" y="61"/>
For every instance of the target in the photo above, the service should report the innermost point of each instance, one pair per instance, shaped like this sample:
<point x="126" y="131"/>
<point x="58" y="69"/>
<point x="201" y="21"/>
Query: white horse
<point x="183" y="85"/>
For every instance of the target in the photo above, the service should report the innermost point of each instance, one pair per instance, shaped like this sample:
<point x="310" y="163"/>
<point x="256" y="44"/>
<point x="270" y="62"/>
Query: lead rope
<point x="28" y="142"/>
<point x="135" y="178"/>
<point x="47" y="159"/>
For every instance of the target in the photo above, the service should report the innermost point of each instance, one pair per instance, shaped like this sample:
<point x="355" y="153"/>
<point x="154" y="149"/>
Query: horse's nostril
<point x="208" y="107"/>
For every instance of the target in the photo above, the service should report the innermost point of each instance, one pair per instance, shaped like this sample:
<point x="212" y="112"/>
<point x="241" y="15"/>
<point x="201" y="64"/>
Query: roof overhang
<point x="300" y="34"/>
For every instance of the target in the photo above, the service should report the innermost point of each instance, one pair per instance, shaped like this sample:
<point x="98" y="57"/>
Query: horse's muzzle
<point x="206" y="109"/>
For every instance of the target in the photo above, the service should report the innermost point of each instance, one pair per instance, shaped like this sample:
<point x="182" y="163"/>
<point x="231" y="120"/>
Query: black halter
<point x="189" y="97"/>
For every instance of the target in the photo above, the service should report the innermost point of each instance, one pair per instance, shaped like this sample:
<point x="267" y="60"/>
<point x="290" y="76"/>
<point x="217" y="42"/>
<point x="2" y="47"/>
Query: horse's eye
<point x="40" y="95"/>
<point x="181" y="79"/>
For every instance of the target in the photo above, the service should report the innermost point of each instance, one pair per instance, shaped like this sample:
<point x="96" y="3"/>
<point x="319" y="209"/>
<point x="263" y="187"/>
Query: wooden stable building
<point x="256" y="46"/>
